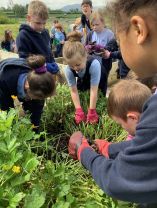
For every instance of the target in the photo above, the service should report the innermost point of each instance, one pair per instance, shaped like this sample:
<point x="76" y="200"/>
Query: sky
<point x="53" y="4"/>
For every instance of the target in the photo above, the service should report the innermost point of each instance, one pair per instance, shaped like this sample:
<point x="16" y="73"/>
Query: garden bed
<point x="37" y="172"/>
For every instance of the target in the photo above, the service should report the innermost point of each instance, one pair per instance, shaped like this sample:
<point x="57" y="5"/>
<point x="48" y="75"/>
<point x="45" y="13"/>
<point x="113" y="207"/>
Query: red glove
<point x="102" y="146"/>
<point x="77" y="144"/>
<point x="79" y="116"/>
<point x="92" y="116"/>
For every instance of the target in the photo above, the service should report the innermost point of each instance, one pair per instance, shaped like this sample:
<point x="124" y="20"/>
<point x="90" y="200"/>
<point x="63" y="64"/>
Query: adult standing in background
<point x="85" y="27"/>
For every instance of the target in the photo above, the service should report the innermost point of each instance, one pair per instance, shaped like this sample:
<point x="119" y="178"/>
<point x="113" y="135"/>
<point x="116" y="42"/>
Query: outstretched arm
<point x="75" y="96"/>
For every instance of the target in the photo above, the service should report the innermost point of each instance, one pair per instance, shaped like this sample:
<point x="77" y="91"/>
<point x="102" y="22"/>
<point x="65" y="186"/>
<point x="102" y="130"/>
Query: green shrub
<point x="5" y="20"/>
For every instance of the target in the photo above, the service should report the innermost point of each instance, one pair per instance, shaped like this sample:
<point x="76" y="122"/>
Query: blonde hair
<point x="39" y="9"/>
<point x="73" y="46"/>
<point x="97" y="15"/>
<point x="125" y="96"/>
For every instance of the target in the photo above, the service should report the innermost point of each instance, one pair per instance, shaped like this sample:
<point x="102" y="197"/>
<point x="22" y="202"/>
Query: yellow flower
<point x="13" y="97"/>
<point x="16" y="169"/>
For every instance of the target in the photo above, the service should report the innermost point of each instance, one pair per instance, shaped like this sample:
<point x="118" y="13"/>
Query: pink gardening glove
<point x="92" y="116"/>
<point x="102" y="146"/>
<point x="79" y="116"/>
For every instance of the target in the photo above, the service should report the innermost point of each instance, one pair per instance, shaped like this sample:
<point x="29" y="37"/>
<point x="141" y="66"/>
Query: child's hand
<point x="106" y="54"/>
<point x="102" y="146"/>
<point x="79" y="116"/>
<point x="92" y="116"/>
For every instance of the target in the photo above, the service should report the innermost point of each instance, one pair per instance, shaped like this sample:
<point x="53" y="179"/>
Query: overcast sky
<point x="53" y="4"/>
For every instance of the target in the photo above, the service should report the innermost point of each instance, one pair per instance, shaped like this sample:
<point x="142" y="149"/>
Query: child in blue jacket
<point x="33" y="38"/>
<point x="30" y="81"/>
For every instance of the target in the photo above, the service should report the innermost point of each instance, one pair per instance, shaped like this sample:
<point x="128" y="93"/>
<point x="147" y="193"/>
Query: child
<point x="33" y="38"/>
<point x="53" y="30"/>
<point x="29" y="81"/>
<point x="129" y="93"/>
<point x="8" y="43"/>
<point x="88" y="71"/>
<point x="59" y="39"/>
<point x="125" y="103"/>
<point x="132" y="174"/>
<point x="100" y="36"/>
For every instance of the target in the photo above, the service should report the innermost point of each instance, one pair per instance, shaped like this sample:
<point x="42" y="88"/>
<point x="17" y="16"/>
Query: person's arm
<point x="93" y="97"/>
<point x="95" y="72"/>
<point x="112" y="45"/>
<point x="75" y="97"/>
<point x="71" y="80"/>
<point x="115" y="148"/>
<point x="131" y="176"/>
<point x="116" y="55"/>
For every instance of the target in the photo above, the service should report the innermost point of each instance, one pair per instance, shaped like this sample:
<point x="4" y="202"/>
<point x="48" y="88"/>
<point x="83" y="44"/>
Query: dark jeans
<point x="35" y="108"/>
<point x="147" y="206"/>
<point x="58" y="52"/>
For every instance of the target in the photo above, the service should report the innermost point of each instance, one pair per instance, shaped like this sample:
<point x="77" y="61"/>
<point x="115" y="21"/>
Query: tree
<point x="19" y="10"/>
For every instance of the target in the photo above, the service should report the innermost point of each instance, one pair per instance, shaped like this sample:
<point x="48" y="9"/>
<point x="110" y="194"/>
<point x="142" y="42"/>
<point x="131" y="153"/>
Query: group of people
<point x="126" y="170"/>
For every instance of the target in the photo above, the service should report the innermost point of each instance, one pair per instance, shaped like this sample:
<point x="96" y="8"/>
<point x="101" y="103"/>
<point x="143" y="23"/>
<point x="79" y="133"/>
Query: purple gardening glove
<point x="79" y="116"/>
<point x="92" y="116"/>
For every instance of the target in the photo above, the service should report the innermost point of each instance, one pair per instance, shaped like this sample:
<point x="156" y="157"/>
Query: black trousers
<point x="35" y="108"/>
<point x="147" y="206"/>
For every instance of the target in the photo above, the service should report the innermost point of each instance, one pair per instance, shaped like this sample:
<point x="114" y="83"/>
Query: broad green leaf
<point x="20" y="180"/>
<point x="61" y="204"/>
<point x="35" y="200"/>
<point x="65" y="188"/>
<point x="14" y="202"/>
<point x="30" y="164"/>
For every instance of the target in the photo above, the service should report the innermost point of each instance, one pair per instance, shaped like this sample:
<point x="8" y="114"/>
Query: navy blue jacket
<point x="123" y="69"/>
<point x="131" y="175"/>
<point x="10" y="70"/>
<point x="30" y="42"/>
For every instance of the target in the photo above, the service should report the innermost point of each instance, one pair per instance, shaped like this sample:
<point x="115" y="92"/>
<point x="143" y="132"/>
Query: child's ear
<point x="26" y="85"/>
<point x="28" y="18"/>
<point x="133" y="115"/>
<point x="153" y="89"/>
<point x="140" y="28"/>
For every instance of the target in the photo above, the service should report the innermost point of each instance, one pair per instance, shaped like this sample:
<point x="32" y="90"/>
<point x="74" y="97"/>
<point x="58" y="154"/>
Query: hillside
<point x="71" y="7"/>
